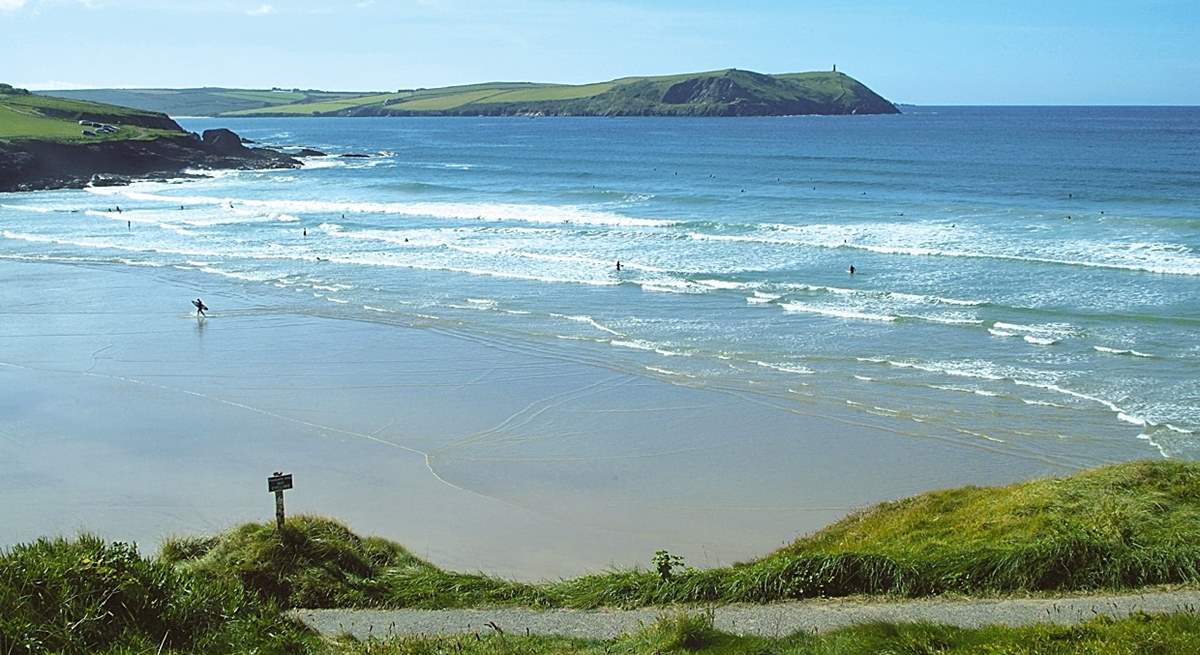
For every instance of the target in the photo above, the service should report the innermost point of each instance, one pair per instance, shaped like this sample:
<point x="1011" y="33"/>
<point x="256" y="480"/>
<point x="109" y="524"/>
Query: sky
<point x="913" y="51"/>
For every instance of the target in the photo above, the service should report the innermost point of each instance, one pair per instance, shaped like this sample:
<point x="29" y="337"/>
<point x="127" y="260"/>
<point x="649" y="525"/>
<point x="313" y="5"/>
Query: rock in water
<point x="223" y="141"/>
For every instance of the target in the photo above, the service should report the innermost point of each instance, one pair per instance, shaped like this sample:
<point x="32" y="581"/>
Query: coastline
<point x="42" y="165"/>
<point x="129" y="418"/>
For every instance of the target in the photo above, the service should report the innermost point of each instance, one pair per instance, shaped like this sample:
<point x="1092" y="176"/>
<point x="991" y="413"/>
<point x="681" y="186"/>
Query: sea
<point x="1026" y="279"/>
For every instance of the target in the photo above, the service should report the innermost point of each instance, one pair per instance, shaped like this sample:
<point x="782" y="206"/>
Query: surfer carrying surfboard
<point x="200" y="307"/>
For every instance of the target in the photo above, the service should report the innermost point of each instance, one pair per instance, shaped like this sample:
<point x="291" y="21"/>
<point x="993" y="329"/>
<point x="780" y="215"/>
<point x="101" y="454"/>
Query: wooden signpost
<point x="277" y="483"/>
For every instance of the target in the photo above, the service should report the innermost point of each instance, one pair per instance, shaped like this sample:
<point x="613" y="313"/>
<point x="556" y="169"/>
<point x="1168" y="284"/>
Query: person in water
<point x="618" y="265"/>
<point x="852" y="269"/>
<point x="200" y="307"/>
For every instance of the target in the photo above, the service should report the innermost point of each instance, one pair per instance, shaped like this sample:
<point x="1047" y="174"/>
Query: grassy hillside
<point x="1117" y="527"/>
<point x="729" y="92"/>
<point x="1114" y="527"/>
<point x="27" y="116"/>
<point x="204" y="101"/>
<point x="715" y="93"/>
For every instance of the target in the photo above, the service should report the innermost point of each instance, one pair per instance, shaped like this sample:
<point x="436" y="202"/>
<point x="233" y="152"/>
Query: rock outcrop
<point x="30" y="165"/>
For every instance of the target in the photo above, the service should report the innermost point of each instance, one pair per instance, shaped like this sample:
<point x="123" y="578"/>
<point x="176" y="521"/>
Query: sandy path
<point x="766" y="620"/>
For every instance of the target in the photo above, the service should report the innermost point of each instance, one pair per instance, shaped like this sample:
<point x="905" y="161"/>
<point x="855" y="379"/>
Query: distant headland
<point x="729" y="92"/>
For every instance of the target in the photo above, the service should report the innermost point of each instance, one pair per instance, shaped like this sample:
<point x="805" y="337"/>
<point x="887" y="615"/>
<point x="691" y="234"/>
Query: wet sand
<point x="124" y="415"/>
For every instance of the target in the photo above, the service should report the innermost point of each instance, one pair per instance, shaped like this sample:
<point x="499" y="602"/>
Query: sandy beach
<point x="124" y="415"/>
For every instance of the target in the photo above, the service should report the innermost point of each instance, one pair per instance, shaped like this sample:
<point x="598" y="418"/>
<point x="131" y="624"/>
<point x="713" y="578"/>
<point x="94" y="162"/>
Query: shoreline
<point x="45" y="165"/>
<point x="168" y="428"/>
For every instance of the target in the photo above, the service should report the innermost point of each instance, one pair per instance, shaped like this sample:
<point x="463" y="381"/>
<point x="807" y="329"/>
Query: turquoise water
<point x="1028" y="279"/>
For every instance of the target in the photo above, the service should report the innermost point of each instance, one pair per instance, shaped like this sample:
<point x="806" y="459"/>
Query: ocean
<point x="1027" y="280"/>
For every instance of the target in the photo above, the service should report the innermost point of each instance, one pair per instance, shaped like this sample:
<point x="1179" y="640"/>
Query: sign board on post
<point x="277" y="483"/>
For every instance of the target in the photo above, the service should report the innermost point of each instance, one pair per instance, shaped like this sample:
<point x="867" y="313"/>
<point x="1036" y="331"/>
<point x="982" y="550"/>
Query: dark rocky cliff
<point x="33" y="164"/>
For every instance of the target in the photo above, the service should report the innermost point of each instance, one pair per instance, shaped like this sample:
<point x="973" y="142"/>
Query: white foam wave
<point x="946" y="320"/>
<point x="548" y="214"/>
<point x="1119" y="351"/>
<point x="634" y="344"/>
<point x="783" y="368"/>
<point x="666" y="371"/>
<point x="726" y="284"/>
<point x="583" y="318"/>
<point x="1040" y="341"/>
<point x="971" y="390"/>
<point x="837" y="313"/>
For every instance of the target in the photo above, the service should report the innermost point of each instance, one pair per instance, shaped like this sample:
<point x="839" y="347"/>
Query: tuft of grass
<point x="317" y="562"/>
<point x="88" y="595"/>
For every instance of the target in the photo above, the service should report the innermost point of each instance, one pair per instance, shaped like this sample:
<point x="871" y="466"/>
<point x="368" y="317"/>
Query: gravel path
<point x="766" y="620"/>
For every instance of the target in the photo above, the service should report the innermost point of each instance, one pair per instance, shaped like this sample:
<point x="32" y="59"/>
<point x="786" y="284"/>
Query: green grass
<point x="565" y="92"/>
<point x="1118" y="527"/>
<point x="85" y="595"/>
<point x="322" y="107"/>
<point x="1112" y="528"/>
<point x="56" y="119"/>
<point x="205" y="101"/>
<point x="447" y="101"/>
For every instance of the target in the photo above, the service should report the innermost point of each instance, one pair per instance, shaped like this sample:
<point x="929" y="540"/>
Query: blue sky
<point x="996" y="52"/>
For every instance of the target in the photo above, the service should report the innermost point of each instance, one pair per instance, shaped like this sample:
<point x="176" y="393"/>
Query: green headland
<point x="48" y="142"/>
<point x="27" y="116"/>
<point x="1123" y="527"/>
<point x="729" y="92"/>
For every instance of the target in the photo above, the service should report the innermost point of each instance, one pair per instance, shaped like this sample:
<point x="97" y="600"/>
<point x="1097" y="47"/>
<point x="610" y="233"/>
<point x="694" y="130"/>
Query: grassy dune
<point x="1112" y="528"/>
<point x="1117" y="527"/>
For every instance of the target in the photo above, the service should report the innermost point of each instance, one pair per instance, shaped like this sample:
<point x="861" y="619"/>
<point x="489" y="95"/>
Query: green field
<point x="204" y="101"/>
<point x="24" y="116"/>
<point x="721" y="92"/>
<point x="322" y="107"/>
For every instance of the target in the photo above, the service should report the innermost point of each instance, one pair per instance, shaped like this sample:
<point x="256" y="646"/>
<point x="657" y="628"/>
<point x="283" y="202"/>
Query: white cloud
<point x="261" y="10"/>
<point x="11" y="5"/>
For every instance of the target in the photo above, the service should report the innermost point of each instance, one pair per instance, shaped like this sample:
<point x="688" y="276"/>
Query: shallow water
<point x="1027" y="277"/>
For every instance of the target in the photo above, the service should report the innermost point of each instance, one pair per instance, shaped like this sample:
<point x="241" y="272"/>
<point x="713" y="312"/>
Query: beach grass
<point x="87" y="595"/>
<point x="1113" y="528"/>
<point x="90" y="596"/>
